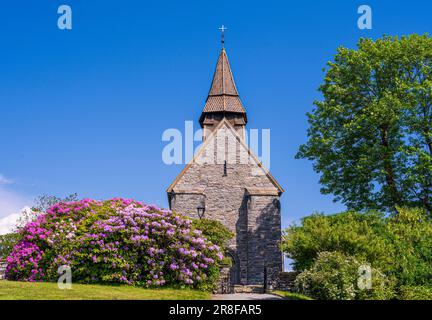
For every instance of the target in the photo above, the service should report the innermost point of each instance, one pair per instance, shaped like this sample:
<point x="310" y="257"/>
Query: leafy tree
<point x="41" y="205"/>
<point x="44" y="202"/>
<point x="370" y="137"/>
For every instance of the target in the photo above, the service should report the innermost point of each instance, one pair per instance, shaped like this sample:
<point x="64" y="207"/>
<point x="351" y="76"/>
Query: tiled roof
<point x="223" y="95"/>
<point x="223" y="103"/>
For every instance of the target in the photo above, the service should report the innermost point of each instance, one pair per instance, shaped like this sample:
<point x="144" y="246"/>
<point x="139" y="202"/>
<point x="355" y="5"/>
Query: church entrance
<point x="230" y="274"/>
<point x="234" y="269"/>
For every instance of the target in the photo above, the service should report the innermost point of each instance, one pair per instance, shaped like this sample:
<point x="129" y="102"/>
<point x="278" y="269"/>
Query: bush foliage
<point x="7" y="242"/>
<point x="354" y="234"/>
<point x="115" y="241"/>
<point x="398" y="247"/>
<point x="416" y="293"/>
<point x="334" y="276"/>
<point x="214" y="231"/>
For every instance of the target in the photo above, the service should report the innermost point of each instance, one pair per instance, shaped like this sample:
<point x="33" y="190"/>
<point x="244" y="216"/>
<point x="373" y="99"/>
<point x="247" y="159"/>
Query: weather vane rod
<point x="222" y="29"/>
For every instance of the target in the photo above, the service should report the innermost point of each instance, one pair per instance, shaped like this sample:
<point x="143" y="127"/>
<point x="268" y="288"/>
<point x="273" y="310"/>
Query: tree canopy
<point x="370" y="137"/>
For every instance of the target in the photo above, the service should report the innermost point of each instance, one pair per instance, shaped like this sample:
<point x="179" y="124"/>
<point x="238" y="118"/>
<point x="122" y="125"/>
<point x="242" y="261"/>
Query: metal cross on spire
<point x="222" y="29"/>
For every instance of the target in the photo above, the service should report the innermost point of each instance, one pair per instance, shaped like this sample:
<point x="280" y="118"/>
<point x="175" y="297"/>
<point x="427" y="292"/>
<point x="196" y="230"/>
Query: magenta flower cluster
<point x="114" y="241"/>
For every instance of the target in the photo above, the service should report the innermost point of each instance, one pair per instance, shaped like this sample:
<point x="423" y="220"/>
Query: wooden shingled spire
<point x="223" y="97"/>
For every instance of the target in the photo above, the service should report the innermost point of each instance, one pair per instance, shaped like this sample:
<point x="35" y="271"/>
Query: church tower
<point x="223" y="100"/>
<point x="225" y="181"/>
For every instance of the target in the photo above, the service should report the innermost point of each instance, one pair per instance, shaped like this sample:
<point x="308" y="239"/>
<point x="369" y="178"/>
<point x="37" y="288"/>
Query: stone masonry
<point x="3" y="266"/>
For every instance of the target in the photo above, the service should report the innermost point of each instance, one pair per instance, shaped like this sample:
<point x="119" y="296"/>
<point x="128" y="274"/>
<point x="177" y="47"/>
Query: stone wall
<point x="285" y="281"/>
<point x="264" y="234"/>
<point x="3" y="266"/>
<point x="224" y="285"/>
<point x="187" y="203"/>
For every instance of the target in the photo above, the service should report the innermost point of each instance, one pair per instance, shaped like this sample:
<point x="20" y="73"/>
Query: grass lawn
<point x="290" y="295"/>
<point x="12" y="290"/>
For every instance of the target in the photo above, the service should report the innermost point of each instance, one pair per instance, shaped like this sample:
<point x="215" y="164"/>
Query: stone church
<point x="225" y="181"/>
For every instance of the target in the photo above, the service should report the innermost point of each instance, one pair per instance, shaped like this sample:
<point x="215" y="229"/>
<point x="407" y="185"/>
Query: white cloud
<point x="4" y="180"/>
<point x="11" y="205"/>
<point x="8" y="223"/>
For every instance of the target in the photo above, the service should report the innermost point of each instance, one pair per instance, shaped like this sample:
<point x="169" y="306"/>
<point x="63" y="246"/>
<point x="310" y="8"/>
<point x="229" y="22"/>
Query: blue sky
<point x="83" y="110"/>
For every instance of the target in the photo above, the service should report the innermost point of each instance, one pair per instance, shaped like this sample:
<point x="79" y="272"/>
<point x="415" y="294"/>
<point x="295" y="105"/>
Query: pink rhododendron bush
<point x="114" y="241"/>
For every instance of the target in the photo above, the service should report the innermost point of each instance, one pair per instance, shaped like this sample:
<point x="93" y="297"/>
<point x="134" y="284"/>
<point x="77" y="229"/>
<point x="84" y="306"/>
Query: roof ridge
<point x="223" y="70"/>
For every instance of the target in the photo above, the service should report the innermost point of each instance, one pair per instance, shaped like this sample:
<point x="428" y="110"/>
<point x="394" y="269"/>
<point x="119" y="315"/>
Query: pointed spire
<point x="223" y="80"/>
<point x="223" y="95"/>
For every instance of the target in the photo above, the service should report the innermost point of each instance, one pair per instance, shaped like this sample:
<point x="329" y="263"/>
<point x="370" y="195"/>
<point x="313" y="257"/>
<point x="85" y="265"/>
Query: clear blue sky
<point x="84" y="110"/>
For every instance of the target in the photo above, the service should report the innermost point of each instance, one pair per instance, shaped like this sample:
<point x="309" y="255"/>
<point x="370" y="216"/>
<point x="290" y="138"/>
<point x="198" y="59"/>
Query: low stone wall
<point x="285" y="281"/>
<point x="224" y="284"/>
<point x="3" y="266"/>
<point x="280" y="281"/>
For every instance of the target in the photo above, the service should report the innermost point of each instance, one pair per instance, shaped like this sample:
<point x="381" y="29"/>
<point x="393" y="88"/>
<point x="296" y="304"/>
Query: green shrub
<point x="410" y="235"/>
<point x="7" y="242"/>
<point x="400" y="246"/>
<point x="218" y="234"/>
<point x="335" y="276"/>
<point x="117" y="241"/>
<point x="416" y="293"/>
<point x="214" y="231"/>
<point x="355" y="234"/>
